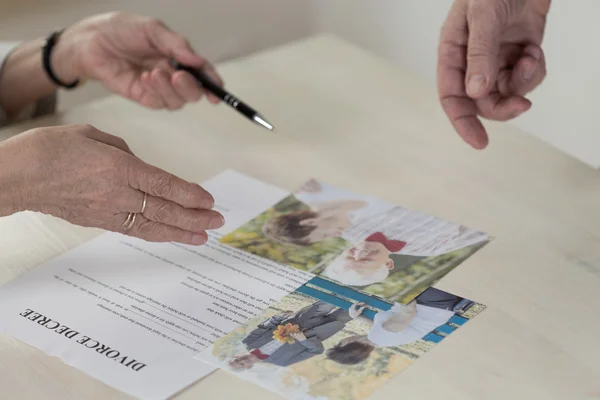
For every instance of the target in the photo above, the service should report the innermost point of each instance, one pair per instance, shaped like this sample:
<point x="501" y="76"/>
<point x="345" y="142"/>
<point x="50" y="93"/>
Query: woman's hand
<point x="130" y="55"/>
<point x="92" y="179"/>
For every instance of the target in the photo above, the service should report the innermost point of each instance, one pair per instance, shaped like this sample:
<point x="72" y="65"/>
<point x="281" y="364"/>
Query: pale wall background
<point x="405" y="32"/>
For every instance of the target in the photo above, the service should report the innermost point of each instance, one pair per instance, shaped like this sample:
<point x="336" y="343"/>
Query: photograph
<point x="332" y="342"/>
<point x="375" y="247"/>
<point x="309" y="227"/>
<point x="373" y="267"/>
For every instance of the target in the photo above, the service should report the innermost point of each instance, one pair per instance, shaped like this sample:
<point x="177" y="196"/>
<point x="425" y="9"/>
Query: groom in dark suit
<point x="317" y="322"/>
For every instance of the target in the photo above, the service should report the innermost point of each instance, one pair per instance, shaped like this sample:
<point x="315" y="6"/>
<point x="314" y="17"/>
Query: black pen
<point x="222" y="94"/>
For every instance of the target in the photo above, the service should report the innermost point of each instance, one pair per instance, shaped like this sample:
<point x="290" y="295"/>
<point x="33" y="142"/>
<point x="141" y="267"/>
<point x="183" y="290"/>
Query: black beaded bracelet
<point x="46" y="54"/>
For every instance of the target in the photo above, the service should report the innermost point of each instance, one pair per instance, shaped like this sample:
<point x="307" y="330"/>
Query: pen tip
<point x="261" y="121"/>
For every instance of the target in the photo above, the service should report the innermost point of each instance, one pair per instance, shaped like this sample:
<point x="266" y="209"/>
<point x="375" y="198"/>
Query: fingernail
<point x="476" y="85"/>
<point x="536" y="53"/>
<point x="517" y="113"/>
<point x="528" y="72"/>
<point x="207" y="203"/>
<point x="478" y="142"/>
<point x="199" y="239"/>
<point x="216" y="222"/>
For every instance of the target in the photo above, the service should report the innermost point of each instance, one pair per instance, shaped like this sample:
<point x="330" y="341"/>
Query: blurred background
<point x="403" y="32"/>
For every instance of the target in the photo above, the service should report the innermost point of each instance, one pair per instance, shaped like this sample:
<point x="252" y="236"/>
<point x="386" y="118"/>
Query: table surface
<point x="540" y="276"/>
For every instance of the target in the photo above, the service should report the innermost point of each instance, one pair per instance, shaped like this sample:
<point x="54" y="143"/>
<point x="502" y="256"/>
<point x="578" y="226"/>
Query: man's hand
<point x="92" y="179"/>
<point x="130" y="55"/>
<point x="489" y="58"/>
<point x="356" y="310"/>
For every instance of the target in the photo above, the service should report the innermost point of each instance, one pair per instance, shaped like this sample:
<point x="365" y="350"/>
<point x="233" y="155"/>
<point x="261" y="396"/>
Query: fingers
<point x="452" y="63"/>
<point x="186" y="86"/>
<point x="460" y="108"/>
<point x="529" y="71"/>
<point x="152" y="231"/>
<point x="472" y="131"/>
<point x="499" y="108"/>
<point x="212" y="73"/>
<point x="161" y="83"/>
<point x="480" y="76"/>
<point x="149" y="97"/>
<point x="158" y="183"/>
<point x="164" y="89"/>
<point x="173" y="45"/>
<point x="485" y="25"/>
<point x="473" y="50"/>
<point x="169" y="213"/>
<point x="194" y="88"/>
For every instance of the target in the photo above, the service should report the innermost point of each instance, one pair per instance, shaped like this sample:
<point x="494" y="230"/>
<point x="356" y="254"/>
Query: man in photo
<point x="316" y="323"/>
<point x="402" y="324"/>
<point x="368" y="262"/>
<point x="332" y="213"/>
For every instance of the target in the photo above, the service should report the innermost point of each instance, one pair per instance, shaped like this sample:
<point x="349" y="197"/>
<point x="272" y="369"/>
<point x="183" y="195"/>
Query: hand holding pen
<point x="207" y="84"/>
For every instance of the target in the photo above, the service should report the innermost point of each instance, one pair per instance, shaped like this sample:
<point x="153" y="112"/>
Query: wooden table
<point x="540" y="277"/>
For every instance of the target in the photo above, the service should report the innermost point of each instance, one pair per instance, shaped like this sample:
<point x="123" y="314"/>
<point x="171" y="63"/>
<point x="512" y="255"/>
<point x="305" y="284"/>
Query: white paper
<point x="133" y="314"/>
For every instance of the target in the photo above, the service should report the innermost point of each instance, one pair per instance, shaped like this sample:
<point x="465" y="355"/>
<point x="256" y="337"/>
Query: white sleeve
<point x="42" y="107"/>
<point x="383" y="338"/>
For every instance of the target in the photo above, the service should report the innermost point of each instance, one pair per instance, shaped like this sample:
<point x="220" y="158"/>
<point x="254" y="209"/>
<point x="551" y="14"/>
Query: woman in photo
<point x="400" y="325"/>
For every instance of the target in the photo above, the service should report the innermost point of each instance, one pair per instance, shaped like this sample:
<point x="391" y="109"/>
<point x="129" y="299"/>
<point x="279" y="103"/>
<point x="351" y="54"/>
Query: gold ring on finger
<point x="144" y="203"/>
<point x="131" y="223"/>
<point x="128" y="221"/>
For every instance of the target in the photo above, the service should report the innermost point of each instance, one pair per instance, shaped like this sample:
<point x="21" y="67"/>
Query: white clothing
<point x="426" y="320"/>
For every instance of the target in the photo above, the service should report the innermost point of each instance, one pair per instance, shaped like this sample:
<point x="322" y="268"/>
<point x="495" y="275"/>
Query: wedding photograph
<point x="308" y="228"/>
<point x="328" y="345"/>
<point x="358" y="241"/>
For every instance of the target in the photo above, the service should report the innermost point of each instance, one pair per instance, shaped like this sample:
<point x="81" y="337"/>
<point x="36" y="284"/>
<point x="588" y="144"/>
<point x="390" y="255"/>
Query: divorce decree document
<point x="133" y="314"/>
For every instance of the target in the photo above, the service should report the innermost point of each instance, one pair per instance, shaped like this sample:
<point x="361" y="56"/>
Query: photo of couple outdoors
<point x="358" y="241"/>
<point x="331" y="342"/>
